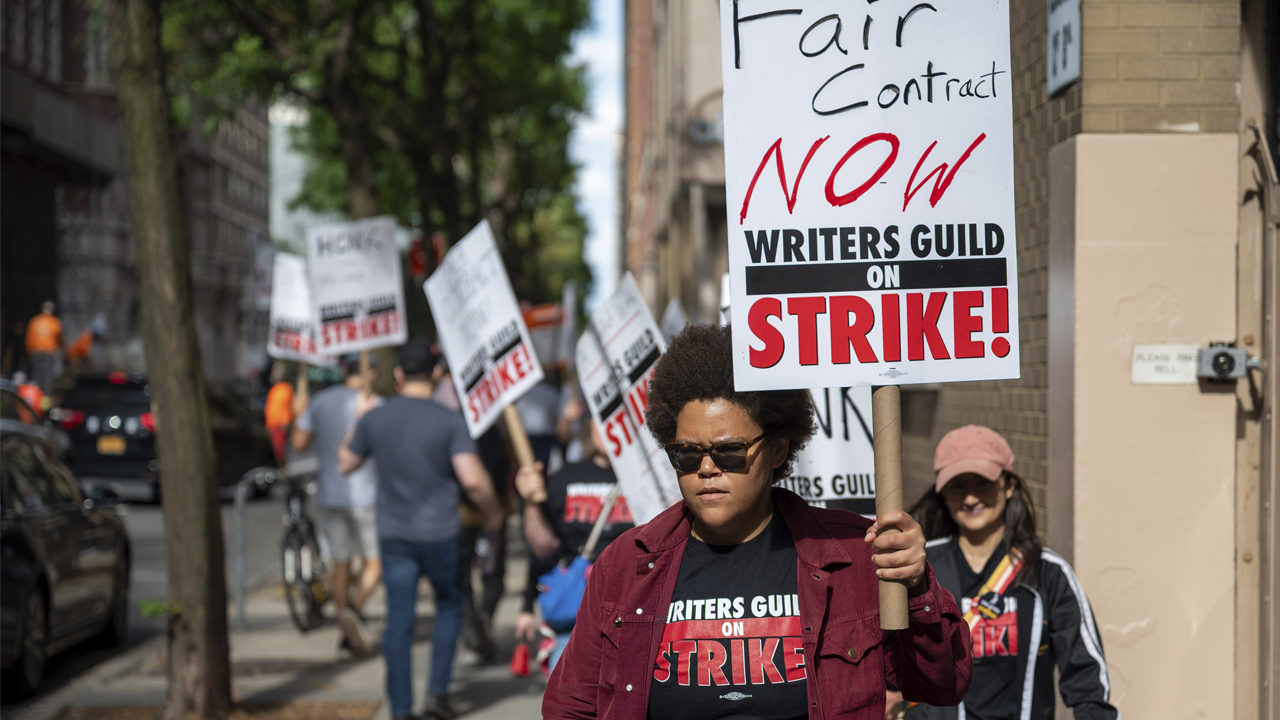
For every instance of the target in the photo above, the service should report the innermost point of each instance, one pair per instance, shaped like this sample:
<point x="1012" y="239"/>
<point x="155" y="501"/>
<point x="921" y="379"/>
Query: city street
<point x="150" y="580"/>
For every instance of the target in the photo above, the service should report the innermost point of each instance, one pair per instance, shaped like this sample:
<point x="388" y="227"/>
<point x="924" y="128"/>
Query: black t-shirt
<point x="575" y="496"/>
<point x="732" y="645"/>
<point x="996" y="692"/>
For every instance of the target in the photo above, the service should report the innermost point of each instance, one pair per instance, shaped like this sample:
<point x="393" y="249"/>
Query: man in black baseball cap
<point x="424" y="455"/>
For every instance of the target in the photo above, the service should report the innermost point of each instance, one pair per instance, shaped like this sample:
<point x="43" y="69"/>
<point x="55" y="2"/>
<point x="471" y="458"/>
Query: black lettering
<point x="843" y="108"/>
<point x="828" y="241"/>
<point x="993" y="75"/>
<point x="792" y="241"/>
<point x="974" y="248"/>
<point x="921" y="241"/>
<point x="891" y="240"/>
<point x="906" y="91"/>
<point x="848" y="243"/>
<point x="966" y="90"/>
<point x="975" y="90"/>
<point x="866" y="34"/>
<point x="737" y="43"/>
<point x="902" y="20"/>
<point x="870" y="243"/>
<point x="763" y="244"/>
<point x="960" y="245"/>
<point x="880" y="98"/>
<point x="813" y="244"/>
<point x="952" y="80"/>
<point x="929" y="75"/>
<point x="995" y="239"/>
<point x="945" y="249"/>
<point x="835" y="37"/>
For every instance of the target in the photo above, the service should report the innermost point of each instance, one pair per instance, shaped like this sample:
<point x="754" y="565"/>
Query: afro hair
<point x="698" y="365"/>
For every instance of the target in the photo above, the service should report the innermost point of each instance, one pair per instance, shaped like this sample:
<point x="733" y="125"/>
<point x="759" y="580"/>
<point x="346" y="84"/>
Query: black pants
<point x="478" y="609"/>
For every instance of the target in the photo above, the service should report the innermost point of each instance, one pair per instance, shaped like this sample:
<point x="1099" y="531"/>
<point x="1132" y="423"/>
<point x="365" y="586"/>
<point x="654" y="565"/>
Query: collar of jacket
<point x="815" y="545"/>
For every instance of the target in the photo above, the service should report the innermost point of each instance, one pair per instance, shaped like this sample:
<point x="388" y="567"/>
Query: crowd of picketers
<point x="740" y="601"/>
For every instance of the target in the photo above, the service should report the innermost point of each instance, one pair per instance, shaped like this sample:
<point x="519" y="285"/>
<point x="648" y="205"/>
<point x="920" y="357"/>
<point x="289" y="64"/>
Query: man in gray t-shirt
<point x="425" y="456"/>
<point x="346" y="502"/>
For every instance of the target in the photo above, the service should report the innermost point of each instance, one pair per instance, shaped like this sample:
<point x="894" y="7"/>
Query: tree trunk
<point x="199" y="666"/>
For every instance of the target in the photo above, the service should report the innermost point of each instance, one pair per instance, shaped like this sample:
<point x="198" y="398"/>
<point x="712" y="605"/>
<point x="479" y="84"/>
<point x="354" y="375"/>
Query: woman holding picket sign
<point x="743" y="601"/>
<point x="1020" y="600"/>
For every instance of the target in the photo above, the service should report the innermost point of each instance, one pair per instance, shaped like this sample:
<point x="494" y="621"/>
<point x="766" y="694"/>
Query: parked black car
<point x="112" y="428"/>
<point x="64" y="560"/>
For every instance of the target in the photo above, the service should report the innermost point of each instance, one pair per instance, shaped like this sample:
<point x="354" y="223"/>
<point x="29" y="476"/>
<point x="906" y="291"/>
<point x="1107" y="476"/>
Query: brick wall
<point x="1147" y="67"/>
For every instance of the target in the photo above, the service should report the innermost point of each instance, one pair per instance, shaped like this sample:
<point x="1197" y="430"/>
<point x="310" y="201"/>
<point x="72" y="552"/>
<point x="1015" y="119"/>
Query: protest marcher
<point x="29" y="392"/>
<point x="724" y="603"/>
<point x="477" y="616"/>
<point x="346" y="502"/>
<point x="44" y="342"/>
<point x="424" y="456"/>
<point x="573" y="417"/>
<point x="1021" y="600"/>
<point x="557" y="529"/>
<point x="279" y="411"/>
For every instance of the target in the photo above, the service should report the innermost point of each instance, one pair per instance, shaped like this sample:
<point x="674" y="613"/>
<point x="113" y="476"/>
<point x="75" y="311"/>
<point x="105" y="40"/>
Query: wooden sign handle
<point x="520" y="441"/>
<point x="303" y="383"/>
<point x="364" y="373"/>
<point x="886" y="420"/>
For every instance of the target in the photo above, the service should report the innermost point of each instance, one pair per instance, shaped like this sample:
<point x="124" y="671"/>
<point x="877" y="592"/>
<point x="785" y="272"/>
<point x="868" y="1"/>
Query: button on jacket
<point x="607" y="667"/>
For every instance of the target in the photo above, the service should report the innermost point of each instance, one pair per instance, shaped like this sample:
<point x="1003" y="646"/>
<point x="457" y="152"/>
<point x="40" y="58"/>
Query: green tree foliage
<point x="441" y="112"/>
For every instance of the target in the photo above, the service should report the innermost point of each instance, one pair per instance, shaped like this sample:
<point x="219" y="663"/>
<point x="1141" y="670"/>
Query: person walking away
<point x="1024" y="605"/>
<point x="424" y="456"/>
<point x="539" y="408"/>
<point x="279" y="412"/>
<point x="29" y="392"/>
<point x="44" y="341"/>
<point x="346" y="502"/>
<point x="557" y="529"/>
<point x="477" y="612"/>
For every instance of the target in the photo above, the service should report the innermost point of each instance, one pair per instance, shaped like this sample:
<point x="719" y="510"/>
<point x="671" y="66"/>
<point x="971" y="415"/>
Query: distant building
<point x="1148" y="212"/>
<point x="65" y="232"/>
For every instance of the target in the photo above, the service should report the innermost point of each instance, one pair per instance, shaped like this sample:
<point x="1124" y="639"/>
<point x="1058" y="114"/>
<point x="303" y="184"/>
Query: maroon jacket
<point x="606" y="669"/>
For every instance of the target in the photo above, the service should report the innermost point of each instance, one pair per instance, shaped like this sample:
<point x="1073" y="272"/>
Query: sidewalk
<point x="273" y="663"/>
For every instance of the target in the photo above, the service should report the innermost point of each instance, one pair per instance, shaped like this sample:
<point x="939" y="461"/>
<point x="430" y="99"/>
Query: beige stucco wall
<point x="1153" y="243"/>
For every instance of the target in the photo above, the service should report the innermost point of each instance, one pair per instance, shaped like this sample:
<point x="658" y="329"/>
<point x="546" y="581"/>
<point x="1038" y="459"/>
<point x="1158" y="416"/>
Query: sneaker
<point x="357" y="633"/>
<point x="344" y="650"/>
<point x="438" y="707"/>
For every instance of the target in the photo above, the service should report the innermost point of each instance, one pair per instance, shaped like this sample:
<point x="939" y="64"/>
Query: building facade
<point x="1147" y="208"/>
<point x="66" y="226"/>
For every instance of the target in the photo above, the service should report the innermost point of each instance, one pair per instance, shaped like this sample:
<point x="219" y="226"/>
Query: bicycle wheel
<point x="300" y="571"/>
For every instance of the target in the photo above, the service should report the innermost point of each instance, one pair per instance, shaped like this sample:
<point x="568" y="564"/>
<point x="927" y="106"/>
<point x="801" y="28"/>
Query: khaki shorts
<point x="348" y="531"/>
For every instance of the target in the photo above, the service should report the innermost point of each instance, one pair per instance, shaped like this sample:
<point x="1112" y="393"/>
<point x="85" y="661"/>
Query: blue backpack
<point x="560" y="591"/>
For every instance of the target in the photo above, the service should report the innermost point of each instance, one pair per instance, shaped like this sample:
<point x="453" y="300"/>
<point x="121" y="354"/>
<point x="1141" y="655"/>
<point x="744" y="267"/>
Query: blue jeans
<point x="402" y="564"/>
<point x="562" y="641"/>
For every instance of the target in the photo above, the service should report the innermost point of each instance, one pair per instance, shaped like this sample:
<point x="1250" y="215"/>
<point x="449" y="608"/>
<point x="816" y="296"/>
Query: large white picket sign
<point x="869" y="167"/>
<point x="837" y="468"/>
<point x="356" y="285"/>
<point x="482" y="331"/>
<point x="615" y="378"/>
<point x="292" y="323"/>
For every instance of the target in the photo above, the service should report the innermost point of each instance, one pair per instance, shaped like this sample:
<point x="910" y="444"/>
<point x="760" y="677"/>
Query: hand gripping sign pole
<point x="871" y="213"/>
<point x="484" y="337"/>
<point x="520" y="443"/>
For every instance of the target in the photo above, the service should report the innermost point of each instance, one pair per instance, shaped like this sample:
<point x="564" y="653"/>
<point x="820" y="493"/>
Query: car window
<point x="62" y="481"/>
<point x="30" y="483"/>
<point x="92" y="395"/>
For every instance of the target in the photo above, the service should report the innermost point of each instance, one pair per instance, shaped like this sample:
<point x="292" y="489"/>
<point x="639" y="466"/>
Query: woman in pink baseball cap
<point x="1023" y="604"/>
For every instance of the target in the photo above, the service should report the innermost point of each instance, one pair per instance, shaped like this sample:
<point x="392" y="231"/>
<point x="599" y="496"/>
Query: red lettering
<point x="662" y="672"/>
<point x="964" y="324"/>
<point x="684" y="650"/>
<point x="806" y="310"/>
<point x="839" y="200"/>
<point x="761" y="660"/>
<point x="843" y="335"/>
<point x="775" y="150"/>
<point x="1000" y="310"/>
<point x="711" y="657"/>
<point x="626" y="429"/>
<point x="757" y="321"/>
<point x="739" y="663"/>
<point x="922" y="325"/>
<point x="609" y="435"/>
<point x="892" y="332"/>
<point x="793" y="658"/>
<point x="943" y="180"/>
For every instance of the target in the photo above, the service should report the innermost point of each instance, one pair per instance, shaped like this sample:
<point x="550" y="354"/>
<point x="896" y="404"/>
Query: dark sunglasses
<point x="729" y="456"/>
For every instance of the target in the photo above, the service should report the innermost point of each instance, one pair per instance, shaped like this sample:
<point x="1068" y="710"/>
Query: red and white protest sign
<point x="869" y="166"/>
<point x="356" y="285"/>
<point x="292" y="327"/>
<point x="482" y="331"/>
<point x="616" y="359"/>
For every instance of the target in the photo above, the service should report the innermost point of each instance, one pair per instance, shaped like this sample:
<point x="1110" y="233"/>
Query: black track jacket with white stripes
<point x="1050" y="623"/>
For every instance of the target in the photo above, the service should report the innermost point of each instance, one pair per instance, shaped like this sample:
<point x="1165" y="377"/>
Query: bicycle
<point x="302" y="567"/>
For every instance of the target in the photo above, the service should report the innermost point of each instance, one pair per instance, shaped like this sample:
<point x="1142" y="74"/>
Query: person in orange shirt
<point x="29" y="393"/>
<point x="44" y="341"/>
<point x="279" y="411"/>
